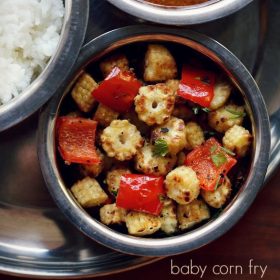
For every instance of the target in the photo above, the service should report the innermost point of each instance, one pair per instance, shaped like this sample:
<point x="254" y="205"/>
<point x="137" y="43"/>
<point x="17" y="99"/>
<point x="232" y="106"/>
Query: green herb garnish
<point x="209" y="133"/>
<point x="115" y="193"/>
<point x="228" y="151"/>
<point x="217" y="183"/>
<point x="161" y="197"/>
<point x="206" y="110"/>
<point x="195" y="110"/>
<point x="160" y="148"/>
<point x="213" y="149"/>
<point x="236" y="114"/>
<point x="219" y="159"/>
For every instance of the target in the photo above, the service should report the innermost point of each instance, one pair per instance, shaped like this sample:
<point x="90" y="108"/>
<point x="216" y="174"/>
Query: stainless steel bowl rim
<point x="181" y="16"/>
<point x="187" y="241"/>
<point x="59" y="66"/>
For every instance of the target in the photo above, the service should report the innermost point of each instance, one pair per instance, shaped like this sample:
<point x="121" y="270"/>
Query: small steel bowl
<point x="195" y="238"/>
<point x="187" y="15"/>
<point x="59" y="66"/>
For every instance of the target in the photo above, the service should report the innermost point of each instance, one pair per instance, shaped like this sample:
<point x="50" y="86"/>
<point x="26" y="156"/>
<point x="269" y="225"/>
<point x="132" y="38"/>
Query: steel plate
<point x="35" y="238"/>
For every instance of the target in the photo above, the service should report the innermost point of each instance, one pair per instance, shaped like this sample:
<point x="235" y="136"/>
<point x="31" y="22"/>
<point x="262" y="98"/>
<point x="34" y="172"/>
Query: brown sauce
<point x="176" y="2"/>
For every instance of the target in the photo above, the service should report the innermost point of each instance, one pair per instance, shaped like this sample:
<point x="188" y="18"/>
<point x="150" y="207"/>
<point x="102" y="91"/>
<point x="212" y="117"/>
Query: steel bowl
<point x="208" y="11"/>
<point x="59" y="66"/>
<point x="186" y="241"/>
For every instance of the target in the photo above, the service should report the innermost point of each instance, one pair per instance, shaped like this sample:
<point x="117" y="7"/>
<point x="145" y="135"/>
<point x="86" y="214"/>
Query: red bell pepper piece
<point x="141" y="193"/>
<point x="76" y="138"/>
<point x="211" y="163"/>
<point x="197" y="85"/>
<point x="118" y="90"/>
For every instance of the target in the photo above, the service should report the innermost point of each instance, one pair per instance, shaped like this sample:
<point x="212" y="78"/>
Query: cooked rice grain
<point x="29" y="35"/>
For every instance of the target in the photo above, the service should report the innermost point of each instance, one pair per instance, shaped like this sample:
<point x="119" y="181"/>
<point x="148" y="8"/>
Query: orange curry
<point x="177" y="2"/>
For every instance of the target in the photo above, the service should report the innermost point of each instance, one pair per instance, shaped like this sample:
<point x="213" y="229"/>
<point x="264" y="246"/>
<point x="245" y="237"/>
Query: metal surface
<point x="184" y="242"/>
<point x="43" y="87"/>
<point x="35" y="237"/>
<point x="208" y="11"/>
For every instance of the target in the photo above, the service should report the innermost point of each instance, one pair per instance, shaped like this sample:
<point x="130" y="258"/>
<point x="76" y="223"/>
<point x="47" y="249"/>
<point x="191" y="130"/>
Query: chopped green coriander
<point x="206" y="110"/>
<point x="160" y="148"/>
<point x="209" y="133"/>
<point x="213" y="149"/>
<point x="218" y="182"/>
<point x="115" y="193"/>
<point x="228" y="151"/>
<point x="236" y="114"/>
<point x="219" y="159"/>
<point x="195" y="110"/>
<point x="161" y="197"/>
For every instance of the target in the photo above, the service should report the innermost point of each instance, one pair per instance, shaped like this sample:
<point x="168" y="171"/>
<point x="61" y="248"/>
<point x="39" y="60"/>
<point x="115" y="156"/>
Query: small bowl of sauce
<point x="176" y="3"/>
<point x="179" y="12"/>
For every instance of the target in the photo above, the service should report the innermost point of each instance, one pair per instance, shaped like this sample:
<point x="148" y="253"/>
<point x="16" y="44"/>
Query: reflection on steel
<point x="275" y="144"/>
<point x="204" y="234"/>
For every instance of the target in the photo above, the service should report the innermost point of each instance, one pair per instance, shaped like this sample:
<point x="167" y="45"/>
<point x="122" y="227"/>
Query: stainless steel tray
<point x="35" y="238"/>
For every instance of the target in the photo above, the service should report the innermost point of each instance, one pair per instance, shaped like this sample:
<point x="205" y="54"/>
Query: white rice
<point x="29" y="35"/>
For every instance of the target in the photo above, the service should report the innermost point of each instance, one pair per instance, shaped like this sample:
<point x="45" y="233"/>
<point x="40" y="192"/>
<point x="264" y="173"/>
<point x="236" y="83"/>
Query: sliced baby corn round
<point x="121" y="139"/>
<point x="154" y="104"/>
<point x="148" y="163"/>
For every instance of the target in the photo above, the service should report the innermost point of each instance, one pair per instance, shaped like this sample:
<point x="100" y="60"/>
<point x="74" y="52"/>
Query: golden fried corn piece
<point x="89" y="193"/>
<point x="160" y="65"/>
<point x="121" y="139"/>
<point x="192" y="214"/>
<point x="226" y="117"/>
<point x="173" y="133"/>
<point x="238" y="140"/>
<point x="194" y="135"/>
<point x="168" y="216"/>
<point x="117" y="60"/>
<point x="93" y="170"/>
<point x="146" y="162"/>
<point x="218" y="197"/>
<point x="113" y="178"/>
<point x="82" y="92"/>
<point x="222" y="92"/>
<point x="154" y="104"/>
<point x="111" y="214"/>
<point x="140" y="224"/>
<point x="105" y="115"/>
<point x="182" y="185"/>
